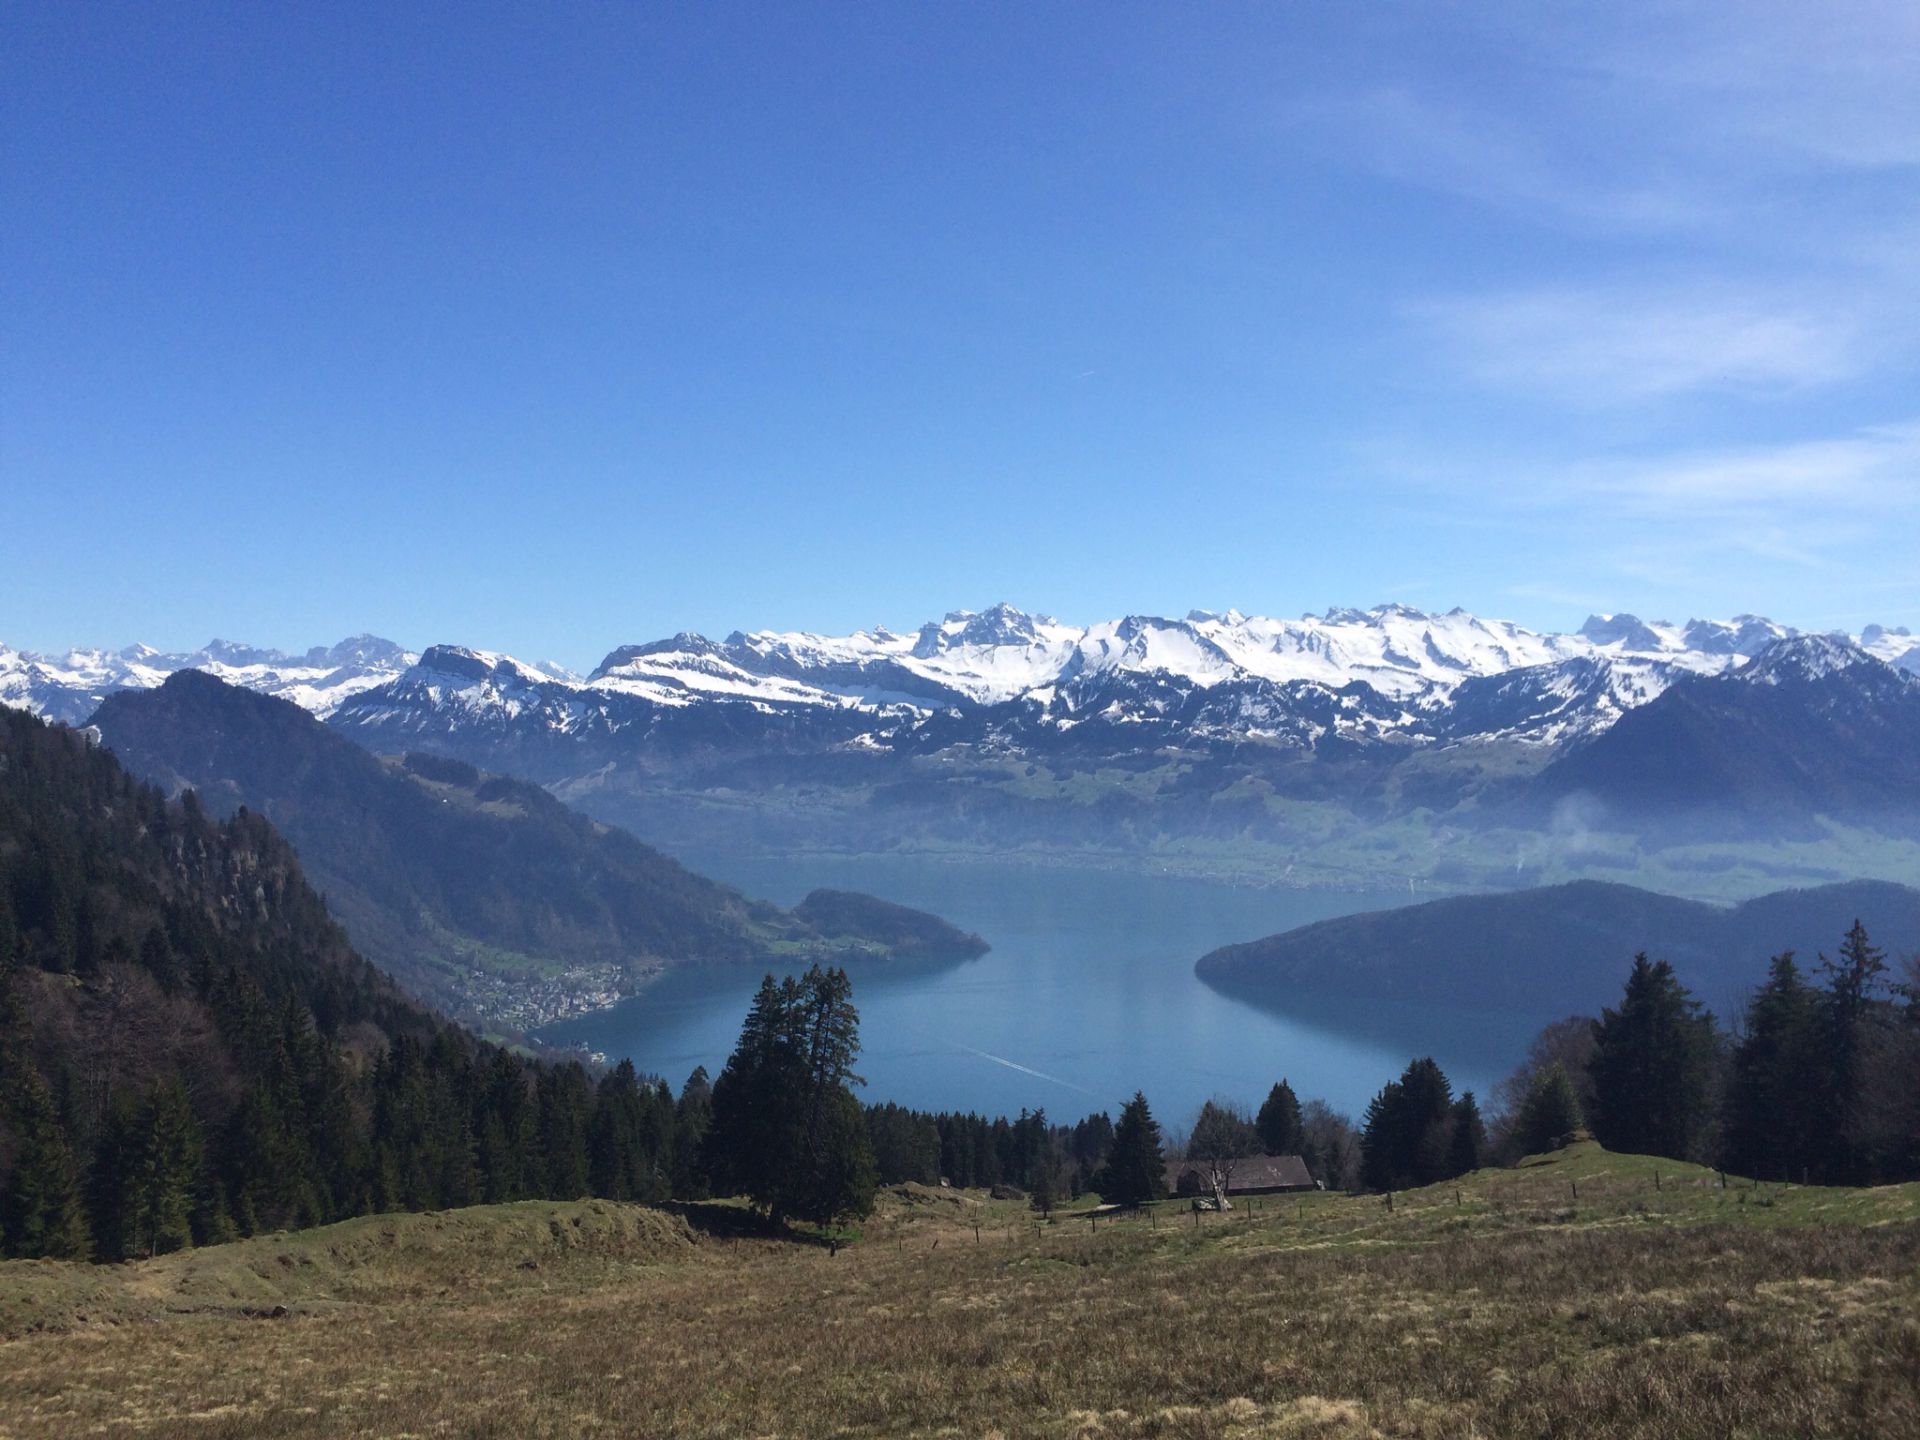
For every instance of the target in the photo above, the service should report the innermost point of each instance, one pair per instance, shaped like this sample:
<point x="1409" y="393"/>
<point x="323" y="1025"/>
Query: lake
<point x="1087" y="995"/>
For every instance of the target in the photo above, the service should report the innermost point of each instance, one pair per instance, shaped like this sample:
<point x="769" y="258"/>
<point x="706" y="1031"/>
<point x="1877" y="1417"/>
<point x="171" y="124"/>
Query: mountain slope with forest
<point x="190" y="1050"/>
<point x="482" y="893"/>
<point x="1554" y="950"/>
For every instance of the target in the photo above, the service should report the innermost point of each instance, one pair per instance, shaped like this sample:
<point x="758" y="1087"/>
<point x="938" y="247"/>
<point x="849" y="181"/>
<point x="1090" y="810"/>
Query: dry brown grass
<point x="1517" y="1310"/>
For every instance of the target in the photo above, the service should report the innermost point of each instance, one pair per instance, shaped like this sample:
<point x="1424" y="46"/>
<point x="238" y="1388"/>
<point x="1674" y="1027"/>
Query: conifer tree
<point x="692" y="1117"/>
<point x="780" y="1132"/>
<point x="1652" y="1067"/>
<point x="1855" y="978"/>
<point x="1774" y="1127"/>
<point x="564" y="1101"/>
<point x="1549" y="1114"/>
<point x="1469" y="1140"/>
<point x="1407" y="1136"/>
<point x="42" y="1208"/>
<point x="1278" y="1122"/>
<point x="506" y="1135"/>
<point x="167" y="1176"/>
<point x="113" y="1181"/>
<point x="758" y="1119"/>
<point x="614" y="1161"/>
<point x="839" y="1179"/>
<point x="1135" y="1172"/>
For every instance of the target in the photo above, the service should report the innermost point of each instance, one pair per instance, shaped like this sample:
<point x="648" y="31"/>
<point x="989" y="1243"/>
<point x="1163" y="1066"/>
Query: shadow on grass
<point x="724" y="1221"/>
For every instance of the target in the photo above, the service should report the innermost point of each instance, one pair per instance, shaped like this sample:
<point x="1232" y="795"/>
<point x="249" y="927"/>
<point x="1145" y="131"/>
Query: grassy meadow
<point x="1578" y="1295"/>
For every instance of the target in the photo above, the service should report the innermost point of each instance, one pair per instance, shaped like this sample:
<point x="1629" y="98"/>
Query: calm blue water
<point x="1087" y="995"/>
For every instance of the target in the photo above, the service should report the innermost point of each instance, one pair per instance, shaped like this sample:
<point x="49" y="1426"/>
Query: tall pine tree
<point x="1278" y="1122"/>
<point x="1652" y="1068"/>
<point x="1136" y="1167"/>
<point x="1774" y="1127"/>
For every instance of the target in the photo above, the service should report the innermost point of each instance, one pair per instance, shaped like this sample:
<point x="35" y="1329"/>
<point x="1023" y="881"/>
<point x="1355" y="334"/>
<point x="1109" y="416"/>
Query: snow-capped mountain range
<point x="1356" y="674"/>
<point x="1004" y="731"/>
<point x="70" y="687"/>
<point x="1408" y="658"/>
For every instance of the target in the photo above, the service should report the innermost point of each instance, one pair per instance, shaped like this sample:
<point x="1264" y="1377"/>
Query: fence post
<point x="1389" y="1200"/>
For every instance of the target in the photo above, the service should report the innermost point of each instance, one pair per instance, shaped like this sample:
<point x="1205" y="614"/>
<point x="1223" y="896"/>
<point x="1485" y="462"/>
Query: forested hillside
<point x="1544" y="952"/>
<point x="190" y="1049"/>
<point x="482" y="893"/>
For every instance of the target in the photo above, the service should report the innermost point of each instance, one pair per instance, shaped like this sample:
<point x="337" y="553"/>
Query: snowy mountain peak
<point x="372" y="650"/>
<point x="462" y="663"/>
<point x="686" y="642"/>
<point x="1628" y="632"/>
<point x="1000" y="624"/>
<point x="1800" y="658"/>
<point x="228" y="652"/>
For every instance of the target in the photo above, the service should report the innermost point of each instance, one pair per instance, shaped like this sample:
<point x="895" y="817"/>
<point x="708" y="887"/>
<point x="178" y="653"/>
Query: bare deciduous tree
<point x="1222" y="1137"/>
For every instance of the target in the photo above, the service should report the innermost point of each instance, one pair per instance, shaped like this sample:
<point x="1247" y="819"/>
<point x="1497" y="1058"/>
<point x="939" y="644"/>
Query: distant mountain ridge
<point x="483" y="894"/>
<point x="1222" y="674"/>
<point x="1002" y="730"/>
<point x="1001" y="656"/>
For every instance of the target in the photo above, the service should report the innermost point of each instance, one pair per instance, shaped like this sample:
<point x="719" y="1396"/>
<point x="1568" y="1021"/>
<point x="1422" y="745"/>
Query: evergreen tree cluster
<point x="1820" y="1083"/>
<point x="1823" y="1082"/>
<point x="190" y="1050"/>
<point x="1416" y="1133"/>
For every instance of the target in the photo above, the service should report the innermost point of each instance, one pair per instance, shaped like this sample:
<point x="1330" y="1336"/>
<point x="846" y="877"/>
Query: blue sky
<point x="548" y="328"/>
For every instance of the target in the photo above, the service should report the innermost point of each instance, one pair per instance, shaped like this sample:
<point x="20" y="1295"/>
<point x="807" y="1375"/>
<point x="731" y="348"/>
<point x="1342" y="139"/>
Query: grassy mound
<point x="375" y="1259"/>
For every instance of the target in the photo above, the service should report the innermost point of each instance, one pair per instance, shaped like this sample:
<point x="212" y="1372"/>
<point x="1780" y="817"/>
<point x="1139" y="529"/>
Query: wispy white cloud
<point x="1732" y="193"/>
<point x="1666" y="118"/>
<point x="1601" y="346"/>
<point x="1871" y="475"/>
<point x="1459" y="145"/>
<point x="1691" y="515"/>
<point x="1781" y="82"/>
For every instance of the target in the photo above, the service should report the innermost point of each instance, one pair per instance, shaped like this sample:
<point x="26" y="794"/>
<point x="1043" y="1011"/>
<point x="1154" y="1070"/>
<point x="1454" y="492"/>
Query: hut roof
<point x="1253" y="1172"/>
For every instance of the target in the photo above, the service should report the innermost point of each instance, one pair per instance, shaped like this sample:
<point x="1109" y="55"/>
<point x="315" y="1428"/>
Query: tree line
<point x="1817" y="1081"/>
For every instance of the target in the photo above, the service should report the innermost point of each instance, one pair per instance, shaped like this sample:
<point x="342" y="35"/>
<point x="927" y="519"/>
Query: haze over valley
<point x="1352" y="749"/>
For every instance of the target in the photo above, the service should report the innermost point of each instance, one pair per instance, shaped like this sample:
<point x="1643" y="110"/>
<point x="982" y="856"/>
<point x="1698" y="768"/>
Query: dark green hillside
<point x="906" y="933"/>
<point x="482" y="893"/>
<point x="190" y="1049"/>
<point x="1549" y="951"/>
